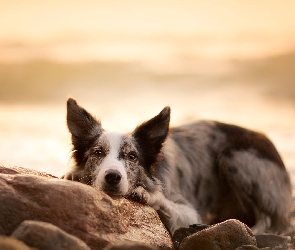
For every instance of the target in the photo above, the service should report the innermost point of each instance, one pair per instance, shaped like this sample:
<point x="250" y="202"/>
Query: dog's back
<point x="226" y="171"/>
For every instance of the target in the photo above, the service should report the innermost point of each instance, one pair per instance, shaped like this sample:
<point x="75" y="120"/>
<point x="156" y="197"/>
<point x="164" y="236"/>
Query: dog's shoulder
<point x="218" y="136"/>
<point x="198" y="134"/>
<point x="202" y="128"/>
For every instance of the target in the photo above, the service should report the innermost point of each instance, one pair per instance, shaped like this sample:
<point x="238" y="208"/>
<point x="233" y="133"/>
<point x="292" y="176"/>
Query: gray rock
<point x="10" y="243"/>
<point x="227" y="235"/>
<point x="271" y="240"/>
<point x="79" y="210"/>
<point x="45" y="236"/>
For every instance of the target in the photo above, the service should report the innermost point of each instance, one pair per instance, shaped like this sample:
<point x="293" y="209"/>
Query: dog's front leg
<point x="175" y="215"/>
<point x="140" y="195"/>
<point x="70" y="176"/>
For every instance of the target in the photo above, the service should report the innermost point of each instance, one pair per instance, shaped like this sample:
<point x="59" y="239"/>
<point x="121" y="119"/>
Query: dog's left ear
<point x="83" y="127"/>
<point x="151" y="135"/>
<point x="81" y="124"/>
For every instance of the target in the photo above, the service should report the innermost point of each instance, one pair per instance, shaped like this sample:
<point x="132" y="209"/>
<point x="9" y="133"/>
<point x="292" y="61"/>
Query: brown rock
<point x="227" y="235"/>
<point x="45" y="236"/>
<point x="78" y="209"/>
<point x="183" y="232"/>
<point x="130" y="246"/>
<point x="247" y="247"/>
<point x="10" y="243"/>
<point x="21" y="170"/>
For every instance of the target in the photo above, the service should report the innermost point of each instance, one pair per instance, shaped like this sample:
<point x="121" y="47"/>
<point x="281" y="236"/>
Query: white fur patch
<point x="112" y="161"/>
<point x="179" y="215"/>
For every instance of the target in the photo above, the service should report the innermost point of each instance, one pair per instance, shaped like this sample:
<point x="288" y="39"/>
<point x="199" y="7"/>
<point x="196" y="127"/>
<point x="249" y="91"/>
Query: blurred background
<point x="232" y="61"/>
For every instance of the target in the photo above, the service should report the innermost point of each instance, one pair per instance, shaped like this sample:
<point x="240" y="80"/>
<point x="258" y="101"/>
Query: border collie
<point x="202" y="172"/>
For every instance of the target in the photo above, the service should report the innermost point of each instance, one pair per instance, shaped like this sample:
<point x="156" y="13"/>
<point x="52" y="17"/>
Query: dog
<point x="202" y="172"/>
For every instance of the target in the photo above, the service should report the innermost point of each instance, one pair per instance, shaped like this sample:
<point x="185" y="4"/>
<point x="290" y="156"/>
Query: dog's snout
<point x="113" y="177"/>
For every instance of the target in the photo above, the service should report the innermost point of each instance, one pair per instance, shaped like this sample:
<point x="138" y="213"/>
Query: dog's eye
<point x="98" y="152"/>
<point x="132" y="156"/>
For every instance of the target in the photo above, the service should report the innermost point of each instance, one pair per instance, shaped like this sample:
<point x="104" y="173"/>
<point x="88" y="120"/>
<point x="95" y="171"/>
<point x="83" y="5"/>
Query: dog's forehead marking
<point x="115" y="140"/>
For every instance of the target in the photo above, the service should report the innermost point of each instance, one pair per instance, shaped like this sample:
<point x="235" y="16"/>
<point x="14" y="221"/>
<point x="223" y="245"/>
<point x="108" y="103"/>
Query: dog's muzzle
<point x="113" y="177"/>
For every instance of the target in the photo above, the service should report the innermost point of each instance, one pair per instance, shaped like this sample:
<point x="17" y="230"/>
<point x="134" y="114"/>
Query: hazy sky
<point x="35" y="20"/>
<point x="136" y="29"/>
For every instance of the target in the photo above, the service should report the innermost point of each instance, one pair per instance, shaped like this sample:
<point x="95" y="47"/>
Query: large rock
<point x="78" y="209"/>
<point x="227" y="235"/>
<point x="21" y="170"/>
<point x="45" y="236"/>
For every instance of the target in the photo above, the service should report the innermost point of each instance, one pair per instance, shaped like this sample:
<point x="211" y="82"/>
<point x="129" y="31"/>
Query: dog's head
<point x="115" y="162"/>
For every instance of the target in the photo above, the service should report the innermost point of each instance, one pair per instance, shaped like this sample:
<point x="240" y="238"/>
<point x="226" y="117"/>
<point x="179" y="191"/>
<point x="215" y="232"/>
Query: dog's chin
<point x="113" y="191"/>
<point x="110" y="190"/>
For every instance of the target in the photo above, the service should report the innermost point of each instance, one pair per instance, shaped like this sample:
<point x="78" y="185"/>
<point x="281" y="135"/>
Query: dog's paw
<point x="140" y="195"/>
<point x="70" y="176"/>
<point x="67" y="176"/>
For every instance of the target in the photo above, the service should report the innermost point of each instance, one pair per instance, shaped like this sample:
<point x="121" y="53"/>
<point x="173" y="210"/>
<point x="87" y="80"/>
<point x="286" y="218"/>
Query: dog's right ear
<point x="151" y="135"/>
<point x="83" y="127"/>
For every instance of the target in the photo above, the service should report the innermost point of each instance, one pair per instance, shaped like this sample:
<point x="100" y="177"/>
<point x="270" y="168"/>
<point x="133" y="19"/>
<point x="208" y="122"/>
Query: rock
<point x="4" y="170"/>
<point x="227" y="235"/>
<point x="9" y="243"/>
<point x="45" y="236"/>
<point x="272" y="240"/>
<point x="183" y="232"/>
<point x="20" y="170"/>
<point x="130" y="246"/>
<point x="247" y="247"/>
<point x="79" y="210"/>
<point x="290" y="233"/>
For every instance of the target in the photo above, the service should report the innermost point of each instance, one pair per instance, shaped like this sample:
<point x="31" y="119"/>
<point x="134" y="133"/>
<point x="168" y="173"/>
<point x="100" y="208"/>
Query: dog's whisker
<point x="89" y="183"/>
<point x="81" y="178"/>
<point x="85" y="177"/>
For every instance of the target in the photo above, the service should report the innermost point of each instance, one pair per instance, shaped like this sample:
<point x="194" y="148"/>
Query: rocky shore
<point x="40" y="211"/>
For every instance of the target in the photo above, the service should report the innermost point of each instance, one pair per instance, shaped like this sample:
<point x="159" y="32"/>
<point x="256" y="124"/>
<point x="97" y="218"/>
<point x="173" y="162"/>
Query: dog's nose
<point x="113" y="177"/>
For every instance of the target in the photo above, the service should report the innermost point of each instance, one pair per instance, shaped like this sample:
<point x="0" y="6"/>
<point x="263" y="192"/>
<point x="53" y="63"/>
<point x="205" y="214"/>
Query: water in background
<point x="32" y="112"/>
<point x="233" y="63"/>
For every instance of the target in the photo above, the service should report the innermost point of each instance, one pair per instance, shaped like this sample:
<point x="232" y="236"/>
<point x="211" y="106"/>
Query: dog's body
<point x="200" y="172"/>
